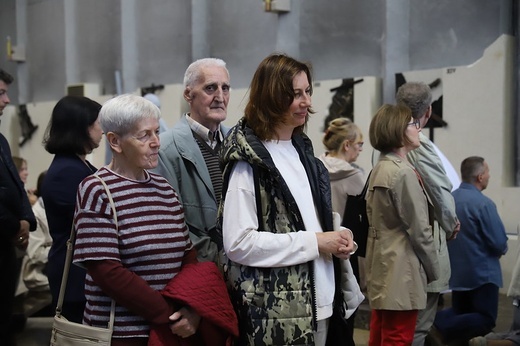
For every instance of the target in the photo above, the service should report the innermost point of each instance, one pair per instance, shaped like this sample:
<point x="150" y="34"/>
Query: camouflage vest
<point x="275" y="306"/>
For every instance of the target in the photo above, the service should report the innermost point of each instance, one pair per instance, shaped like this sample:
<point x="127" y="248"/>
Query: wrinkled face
<point x="209" y="97"/>
<point x="412" y="132"/>
<point x="95" y="132"/>
<point x="4" y="99"/>
<point x="140" y="148"/>
<point x="23" y="173"/>
<point x="298" y="110"/>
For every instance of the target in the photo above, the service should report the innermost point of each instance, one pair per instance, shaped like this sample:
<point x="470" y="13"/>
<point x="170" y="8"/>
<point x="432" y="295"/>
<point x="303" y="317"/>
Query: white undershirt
<point x="245" y="245"/>
<point x="448" y="167"/>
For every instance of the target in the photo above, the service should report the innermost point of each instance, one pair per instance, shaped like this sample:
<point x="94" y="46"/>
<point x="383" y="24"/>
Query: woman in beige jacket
<point x="400" y="258"/>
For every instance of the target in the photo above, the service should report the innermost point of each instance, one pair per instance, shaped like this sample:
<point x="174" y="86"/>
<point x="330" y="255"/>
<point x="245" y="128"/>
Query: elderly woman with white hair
<point x="134" y="261"/>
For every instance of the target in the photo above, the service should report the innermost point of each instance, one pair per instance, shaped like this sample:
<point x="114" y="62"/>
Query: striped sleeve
<point x="96" y="234"/>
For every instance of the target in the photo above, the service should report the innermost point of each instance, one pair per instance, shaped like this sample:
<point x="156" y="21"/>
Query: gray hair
<point x="470" y="168"/>
<point x="417" y="96"/>
<point x="192" y="73"/>
<point x="121" y="113"/>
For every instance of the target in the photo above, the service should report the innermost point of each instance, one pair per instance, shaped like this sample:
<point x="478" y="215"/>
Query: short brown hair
<point x="271" y="93"/>
<point x="388" y="127"/>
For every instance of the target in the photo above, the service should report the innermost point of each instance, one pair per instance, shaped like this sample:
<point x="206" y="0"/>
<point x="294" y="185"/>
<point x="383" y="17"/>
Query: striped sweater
<point x="151" y="241"/>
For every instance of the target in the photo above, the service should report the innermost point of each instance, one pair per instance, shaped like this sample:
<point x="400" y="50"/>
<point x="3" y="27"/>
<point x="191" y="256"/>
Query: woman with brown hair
<point x="401" y="256"/>
<point x="280" y="246"/>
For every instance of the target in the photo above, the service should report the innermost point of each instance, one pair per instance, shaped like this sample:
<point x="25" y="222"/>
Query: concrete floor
<point x="37" y="331"/>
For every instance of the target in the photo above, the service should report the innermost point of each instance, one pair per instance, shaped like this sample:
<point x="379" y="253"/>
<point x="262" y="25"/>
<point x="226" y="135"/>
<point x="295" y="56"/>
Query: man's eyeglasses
<point x="417" y="124"/>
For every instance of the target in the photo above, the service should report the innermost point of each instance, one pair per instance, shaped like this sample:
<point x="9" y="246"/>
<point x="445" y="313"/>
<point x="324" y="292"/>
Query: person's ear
<point x="187" y="95"/>
<point x="479" y="178"/>
<point x="114" y="141"/>
<point x="428" y="114"/>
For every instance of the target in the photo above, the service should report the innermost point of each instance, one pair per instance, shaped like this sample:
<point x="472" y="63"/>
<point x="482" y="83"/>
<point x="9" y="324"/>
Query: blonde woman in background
<point x="343" y="141"/>
<point x="23" y="172"/>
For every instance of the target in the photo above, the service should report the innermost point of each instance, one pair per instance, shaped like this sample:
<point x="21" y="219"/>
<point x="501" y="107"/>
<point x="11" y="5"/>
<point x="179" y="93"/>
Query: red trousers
<point x="392" y="328"/>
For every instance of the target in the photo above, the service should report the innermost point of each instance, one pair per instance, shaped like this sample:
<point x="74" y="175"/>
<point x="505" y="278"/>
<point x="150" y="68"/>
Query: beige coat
<point x="401" y="255"/>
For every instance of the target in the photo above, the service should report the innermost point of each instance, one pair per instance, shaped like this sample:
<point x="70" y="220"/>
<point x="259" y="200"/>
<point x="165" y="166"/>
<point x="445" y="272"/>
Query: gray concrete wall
<point x="452" y="33"/>
<point x="342" y="38"/>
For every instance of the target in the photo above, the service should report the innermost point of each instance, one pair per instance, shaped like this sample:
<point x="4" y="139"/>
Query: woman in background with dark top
<point x="72" y="133"/>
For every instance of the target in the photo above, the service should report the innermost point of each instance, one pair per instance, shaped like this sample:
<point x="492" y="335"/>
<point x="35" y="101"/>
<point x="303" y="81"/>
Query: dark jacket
<point x="14" y="207"/>
<point x="59" y="191"/>
<point x="14" y="204"/>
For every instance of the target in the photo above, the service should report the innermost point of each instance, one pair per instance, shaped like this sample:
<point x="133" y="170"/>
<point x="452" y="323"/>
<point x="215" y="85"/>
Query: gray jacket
<point x="182" y="164"/>
<point x="438" y="187"/>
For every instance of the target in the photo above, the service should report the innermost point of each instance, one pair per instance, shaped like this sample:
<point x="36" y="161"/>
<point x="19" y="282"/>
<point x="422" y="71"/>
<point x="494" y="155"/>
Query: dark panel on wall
<point x="342" y="38"/>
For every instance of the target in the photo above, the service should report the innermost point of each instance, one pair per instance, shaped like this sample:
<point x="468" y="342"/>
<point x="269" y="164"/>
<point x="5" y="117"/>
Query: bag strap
<point x="365" y="188"/>
<point x="68" y="259"/>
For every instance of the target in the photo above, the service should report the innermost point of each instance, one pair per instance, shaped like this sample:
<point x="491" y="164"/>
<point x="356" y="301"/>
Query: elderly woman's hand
<point x="338" y="243"/>
<point x="184" y="322"/>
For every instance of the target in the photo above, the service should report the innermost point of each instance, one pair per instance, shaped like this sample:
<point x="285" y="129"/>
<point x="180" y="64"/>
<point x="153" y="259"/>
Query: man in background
<point x="188" y="157"/>
<point x="475" y="258"/>
<point x="418" y="97"/>
<point x="16" y="220"/>
<point x="511" y="337"/>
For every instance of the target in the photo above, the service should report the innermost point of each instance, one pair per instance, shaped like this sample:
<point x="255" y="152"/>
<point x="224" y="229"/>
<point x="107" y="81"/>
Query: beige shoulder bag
<point x="67" y="333"/>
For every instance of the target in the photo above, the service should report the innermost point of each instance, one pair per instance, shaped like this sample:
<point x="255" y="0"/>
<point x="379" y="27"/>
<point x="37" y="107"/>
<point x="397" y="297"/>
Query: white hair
<point x="121" y="113"/>
<point x="192" y="73"/>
